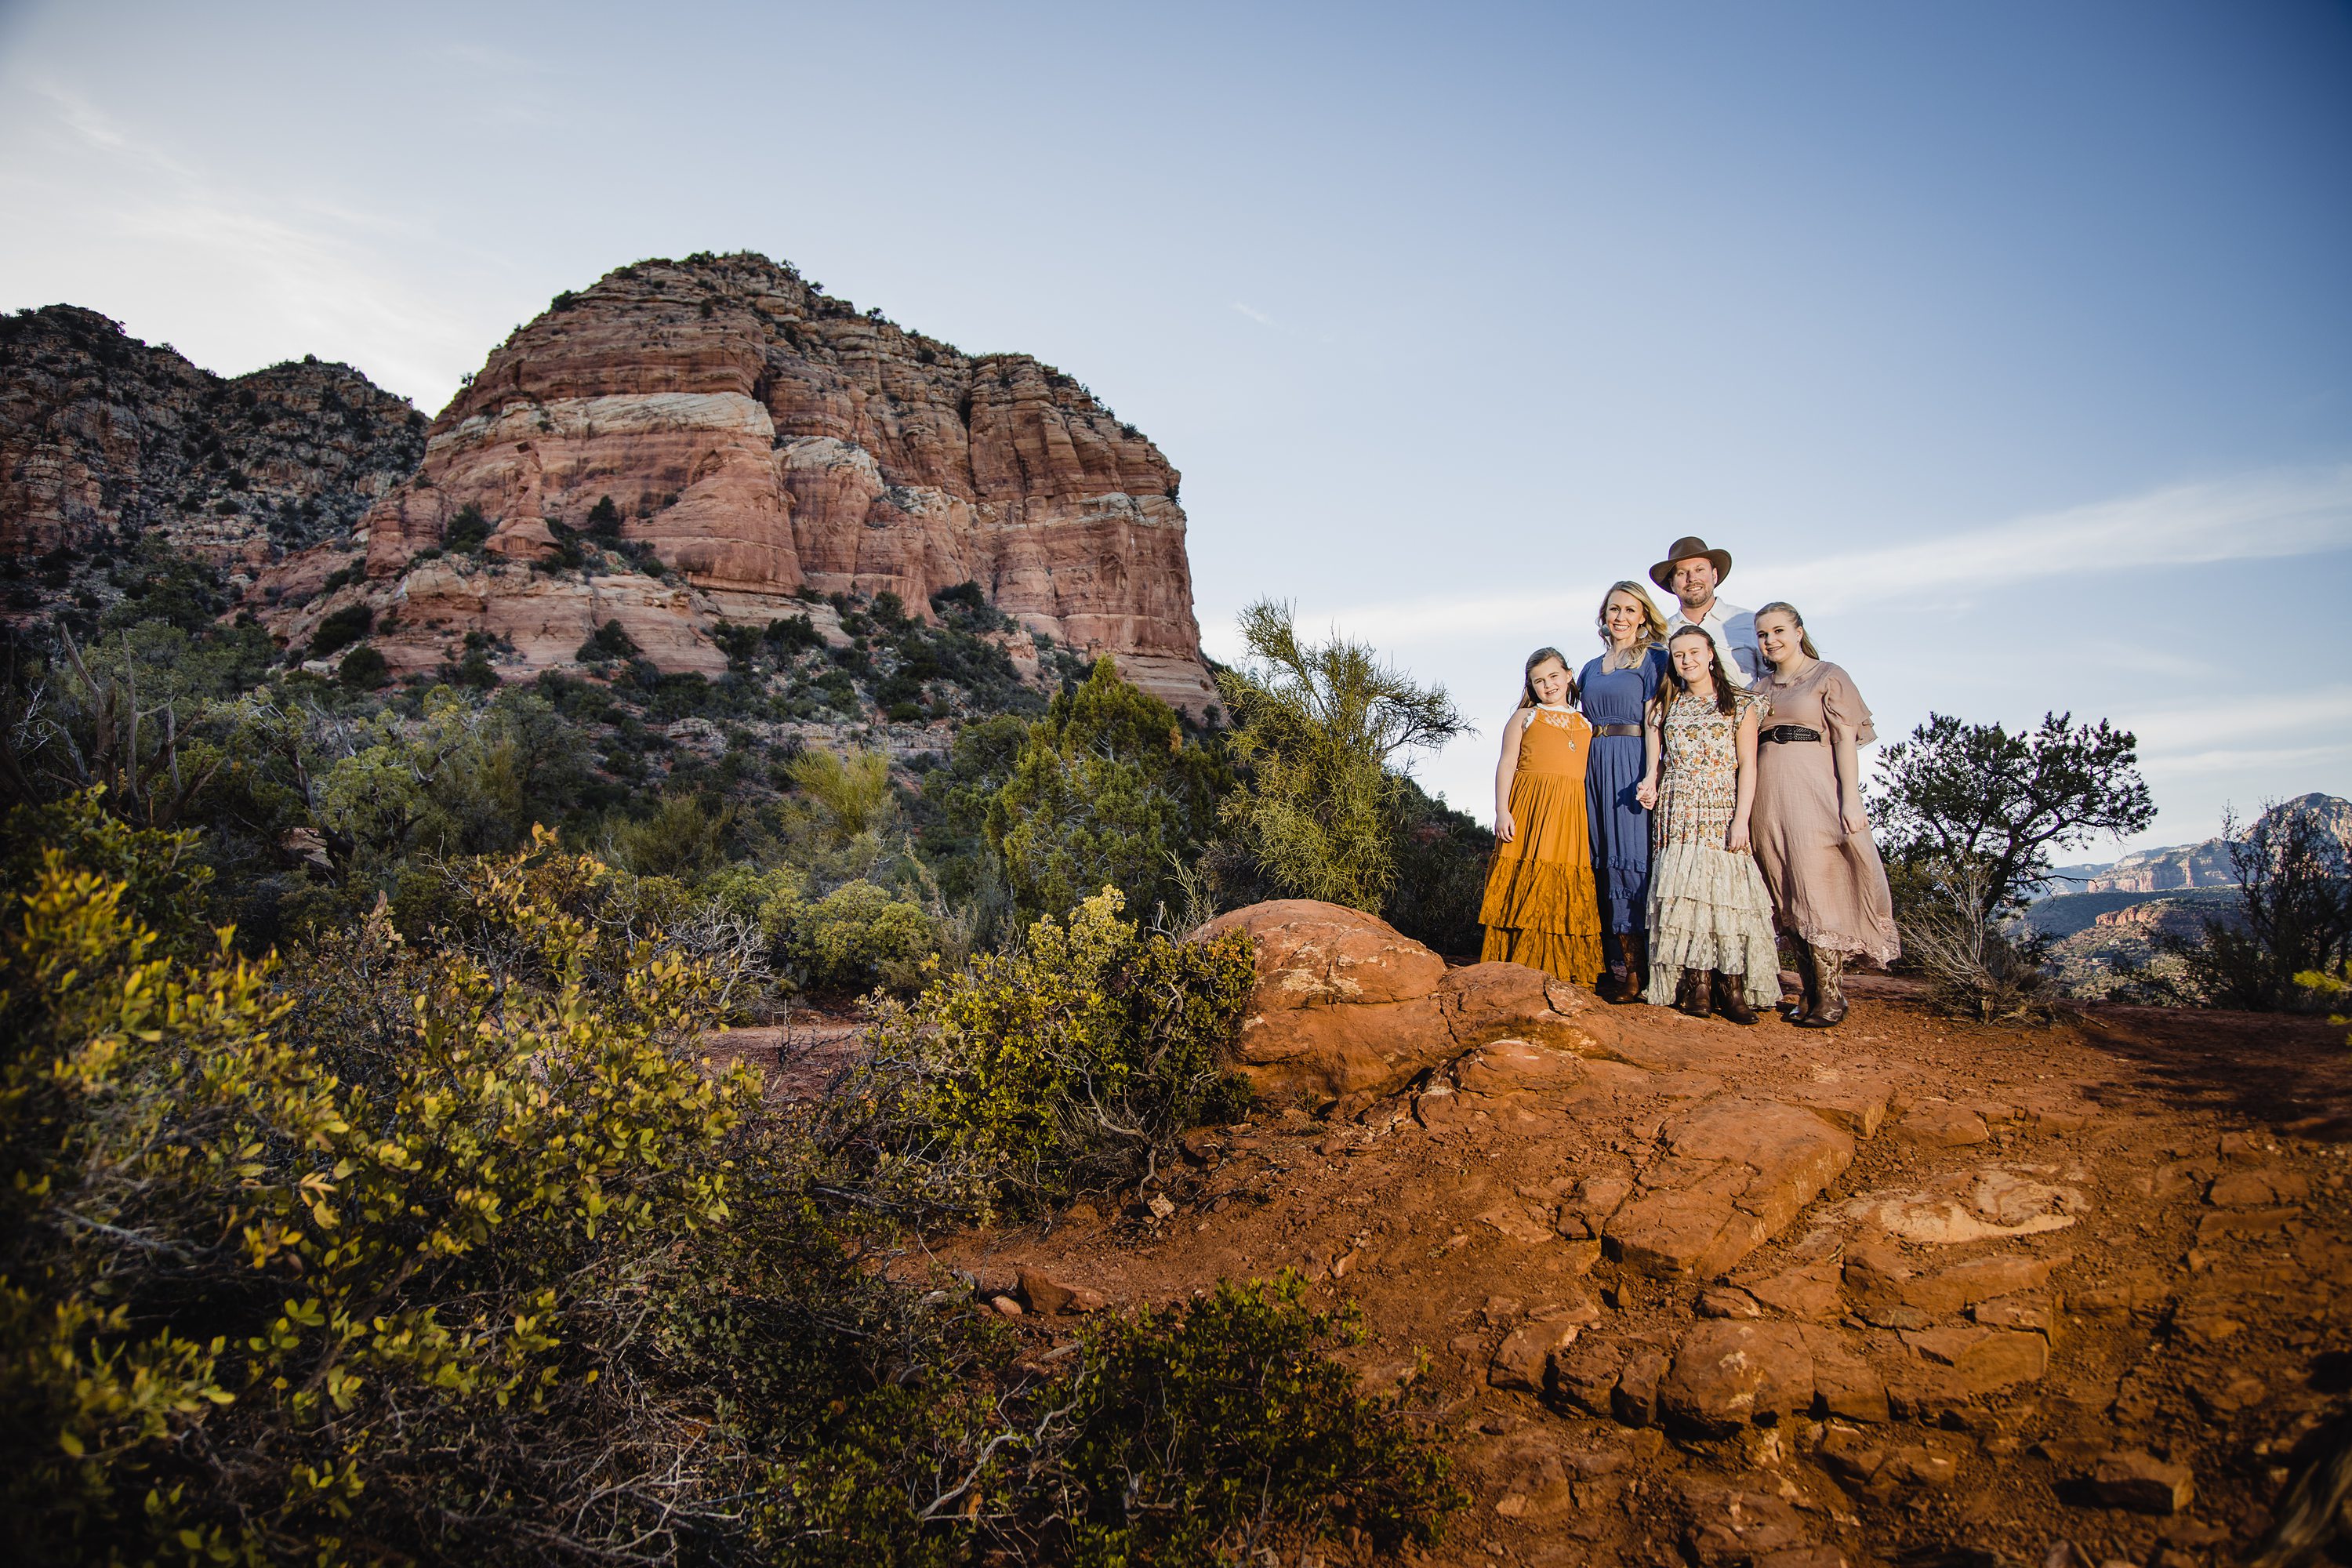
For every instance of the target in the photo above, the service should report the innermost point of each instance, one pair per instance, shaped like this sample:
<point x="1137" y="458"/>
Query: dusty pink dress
<point x="1829" y="887"/>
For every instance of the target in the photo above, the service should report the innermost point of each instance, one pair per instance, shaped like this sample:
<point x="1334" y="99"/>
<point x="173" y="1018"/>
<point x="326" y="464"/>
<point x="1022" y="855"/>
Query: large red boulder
<point x="1346" y="1004"/>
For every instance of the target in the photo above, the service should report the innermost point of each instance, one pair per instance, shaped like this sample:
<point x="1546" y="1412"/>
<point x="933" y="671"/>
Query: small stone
<point x="1726" y="1373"/>
<point x="1940" y="1124"/>
<point x="1005" y="1306"/>
<point x="1914" y="1466"/>
<point x="1808" y="1292"/>
<point x="2029" y="1312"/>
<point x="1586" y="1374"/>
<point x="1161" y="1207"/>
<point x="1047" y="1295"/>
<point x="2142" y="1483"/>
<point x="1727" y="1301"/>
<point x="1526" y="1353"/>
<point x="1513" y="1221"/>
<point x="2242" y="1222"/>
<point x="1635" y="1400"/>
<point x="1963" y="1285"/>
<point x="1982" y="1360"/>
<point x="1843" y="1383"/>
<point x="2259" y="1187"/>
<point x="1848" y="1453"/>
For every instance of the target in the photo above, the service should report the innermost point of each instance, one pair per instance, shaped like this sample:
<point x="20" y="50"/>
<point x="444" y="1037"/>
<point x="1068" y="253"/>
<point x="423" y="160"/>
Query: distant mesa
<point x="757" y="439"/>
<point x="761" y="437"/>
<point x="104" y="437"/>
<point x="2125" y="911"/>
<point x="2184" y="867"/>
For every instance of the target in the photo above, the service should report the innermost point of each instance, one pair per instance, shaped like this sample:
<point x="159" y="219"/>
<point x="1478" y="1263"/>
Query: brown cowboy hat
<point x="1684" y="549"/>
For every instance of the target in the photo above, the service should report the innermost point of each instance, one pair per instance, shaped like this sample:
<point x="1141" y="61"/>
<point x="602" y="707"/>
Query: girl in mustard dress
<point x="1540" y="909"/>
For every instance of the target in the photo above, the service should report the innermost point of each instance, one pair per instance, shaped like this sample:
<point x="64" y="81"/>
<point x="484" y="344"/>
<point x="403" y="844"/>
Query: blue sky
<point x="2010" y="341"/>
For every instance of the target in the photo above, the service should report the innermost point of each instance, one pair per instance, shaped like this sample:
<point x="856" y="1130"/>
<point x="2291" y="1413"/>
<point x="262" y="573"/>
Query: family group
<point x="1657" y="812"/>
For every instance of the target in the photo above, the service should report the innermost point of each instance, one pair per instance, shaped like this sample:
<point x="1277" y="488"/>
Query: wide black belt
<point x="1784" y="733"/>
<point x="1616" y="728"/>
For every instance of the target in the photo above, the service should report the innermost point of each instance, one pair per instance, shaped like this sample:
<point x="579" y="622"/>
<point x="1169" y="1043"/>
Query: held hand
<point x="1646" y="792"/>
<point x="1736" y="839"/>
<point x="1504" y="829"/>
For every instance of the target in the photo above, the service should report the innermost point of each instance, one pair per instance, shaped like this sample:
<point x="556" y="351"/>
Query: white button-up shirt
<point x="1733" y="631"/>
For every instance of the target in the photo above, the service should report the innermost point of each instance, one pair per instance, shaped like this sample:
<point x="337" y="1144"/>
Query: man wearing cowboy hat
<point x="1690" y="573"/>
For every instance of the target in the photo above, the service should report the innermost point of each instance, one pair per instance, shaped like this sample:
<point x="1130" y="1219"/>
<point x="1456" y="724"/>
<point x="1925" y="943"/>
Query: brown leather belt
<point x="1784" y="733"/>
<point x="1616" y="728"/>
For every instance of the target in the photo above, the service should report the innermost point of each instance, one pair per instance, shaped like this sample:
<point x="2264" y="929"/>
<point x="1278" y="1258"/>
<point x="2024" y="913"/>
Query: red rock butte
<point x="763" y="437"/>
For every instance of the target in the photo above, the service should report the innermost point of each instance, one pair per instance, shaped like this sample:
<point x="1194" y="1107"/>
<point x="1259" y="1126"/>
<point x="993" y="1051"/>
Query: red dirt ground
<point x="2162" y="1192"/>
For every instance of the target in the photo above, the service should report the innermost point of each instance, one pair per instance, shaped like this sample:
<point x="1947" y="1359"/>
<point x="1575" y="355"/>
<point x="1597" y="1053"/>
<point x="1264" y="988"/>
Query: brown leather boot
<point x="1637" y="966"/>
<point x="1830" y="1010"/>
<point x="1810" y="980"/>
<point x="1730" y="1001"/>
<point x="1616" y="976"/>
<point x="1690" y="997"/>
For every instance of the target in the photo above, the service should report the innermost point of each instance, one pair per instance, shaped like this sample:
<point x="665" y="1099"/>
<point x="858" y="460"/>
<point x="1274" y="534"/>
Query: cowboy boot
<point x="1730" y="999"/>
<point x="1809" y="976"/>
<point x="1830" y="1010"/>
<point x="1636" y="945"/>
<point x="1616" y="974"/>
<point x="1690" y="997"/>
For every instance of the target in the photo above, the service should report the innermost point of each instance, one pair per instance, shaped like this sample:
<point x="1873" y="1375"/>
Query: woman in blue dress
<point x="1615" y="690"/>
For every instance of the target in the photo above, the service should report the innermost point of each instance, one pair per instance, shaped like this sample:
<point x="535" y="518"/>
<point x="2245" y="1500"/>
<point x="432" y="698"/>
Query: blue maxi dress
<point x="1619" y="829"/>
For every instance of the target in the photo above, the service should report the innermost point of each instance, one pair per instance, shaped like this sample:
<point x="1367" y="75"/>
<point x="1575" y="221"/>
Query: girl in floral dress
<point x="1539" y="908"/>
<point x="1711" y="943"/>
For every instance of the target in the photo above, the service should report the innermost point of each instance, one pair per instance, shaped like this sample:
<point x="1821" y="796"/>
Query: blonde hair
<point x="1804" y="637"/>
<point x="1653" y="625"/>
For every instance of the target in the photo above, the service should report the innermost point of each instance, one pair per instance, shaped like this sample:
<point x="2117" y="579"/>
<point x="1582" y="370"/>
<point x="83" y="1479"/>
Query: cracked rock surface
<point x="1678" y="1291"/>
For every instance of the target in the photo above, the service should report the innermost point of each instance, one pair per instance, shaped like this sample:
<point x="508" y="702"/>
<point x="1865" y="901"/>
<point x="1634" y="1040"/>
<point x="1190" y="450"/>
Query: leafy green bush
<point x="469" y="531"/>
<point x="1106" y="790"/>
<point x="607" y="642"/>
<point x="1218" y="1428"/>
<point x="2293" y="917"/>
<point x="338" y="629"/>
<point x="447" y="1247"/>
<point x="1069" y="1065"/>
<point x="792" y="635"/>
<point x="365" y="670"/>
<point x="1441" y="857"/>
<point x="859" y="936"/>
<point x="684" y="837"/>
<point x="257" y="1306"/>
<point x="1316" y="729"/>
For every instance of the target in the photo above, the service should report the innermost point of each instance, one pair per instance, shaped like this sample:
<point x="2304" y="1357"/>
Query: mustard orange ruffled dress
<point x="1540" y="909"/>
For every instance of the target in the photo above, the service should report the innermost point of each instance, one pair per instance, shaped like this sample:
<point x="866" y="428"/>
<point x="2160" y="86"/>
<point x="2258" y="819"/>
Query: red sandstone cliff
<point x="103" y="438"/>
<point x="761" y="437"/>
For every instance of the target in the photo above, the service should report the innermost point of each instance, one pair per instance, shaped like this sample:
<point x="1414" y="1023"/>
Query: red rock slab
<point x="1726" y="1374"/>
<point x="1972" y="1361"/>
<point x="1314" y="955"/>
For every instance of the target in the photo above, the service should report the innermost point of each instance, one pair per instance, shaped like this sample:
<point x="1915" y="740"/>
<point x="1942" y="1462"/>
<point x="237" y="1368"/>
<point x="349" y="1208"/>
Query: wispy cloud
<point x="2323" y="712"/>
<point x="276" y="277"/>
<point x="1260" y="317"/>
<point x="2268" y="514"/>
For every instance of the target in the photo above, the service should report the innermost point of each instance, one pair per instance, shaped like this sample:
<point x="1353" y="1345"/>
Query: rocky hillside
<point x="762" y="443"/>
<point x="2206" y="865"/>
<point x="1913" y="1292"/>
<point x="103" y="438"/>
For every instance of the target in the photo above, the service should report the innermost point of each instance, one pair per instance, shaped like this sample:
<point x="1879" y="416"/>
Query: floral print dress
<point x="1708" y="905"/>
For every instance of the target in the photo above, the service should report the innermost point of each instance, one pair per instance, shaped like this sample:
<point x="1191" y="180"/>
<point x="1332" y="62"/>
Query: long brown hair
<point x="1671" y="684"/>
<point x="1527" y="676"/>
<point x="1804" y="637"/>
